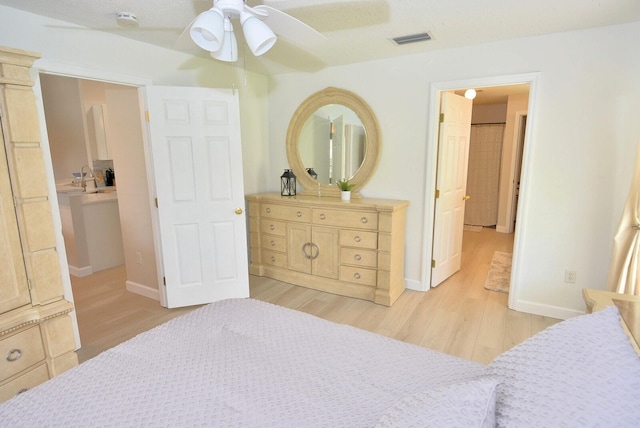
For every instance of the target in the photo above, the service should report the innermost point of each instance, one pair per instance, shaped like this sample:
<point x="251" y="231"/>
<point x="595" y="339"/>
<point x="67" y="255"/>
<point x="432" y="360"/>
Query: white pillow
<point x="580" y="372"/>
<point x="465" y="404"/>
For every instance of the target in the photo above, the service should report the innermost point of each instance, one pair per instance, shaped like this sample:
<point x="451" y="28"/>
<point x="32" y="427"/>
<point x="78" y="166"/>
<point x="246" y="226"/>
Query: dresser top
<point x="370" y="203"/>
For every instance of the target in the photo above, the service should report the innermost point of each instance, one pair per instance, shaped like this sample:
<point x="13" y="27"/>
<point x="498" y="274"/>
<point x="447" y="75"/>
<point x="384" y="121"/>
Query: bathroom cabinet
<point x="91" y="230"/>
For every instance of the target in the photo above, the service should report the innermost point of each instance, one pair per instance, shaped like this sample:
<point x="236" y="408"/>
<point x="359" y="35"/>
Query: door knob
<point x="466" y="198"/>
<point x="238" y="211"/>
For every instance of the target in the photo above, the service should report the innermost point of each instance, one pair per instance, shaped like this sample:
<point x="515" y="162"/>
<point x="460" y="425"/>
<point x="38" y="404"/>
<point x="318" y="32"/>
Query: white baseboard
<point x="80" y="272"/>
<point x="502" y="229"/>
<point x="546" y="310"/>
<point x="143" y="290"/>
<point x="520" y="306"/>
<point x="412" y="284"/>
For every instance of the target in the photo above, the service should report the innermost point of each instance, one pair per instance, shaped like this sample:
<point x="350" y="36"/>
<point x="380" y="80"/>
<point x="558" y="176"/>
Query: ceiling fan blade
<point x="336" y="15"/>
<point x="184" y="39"/>
<point x="287" y="26"/>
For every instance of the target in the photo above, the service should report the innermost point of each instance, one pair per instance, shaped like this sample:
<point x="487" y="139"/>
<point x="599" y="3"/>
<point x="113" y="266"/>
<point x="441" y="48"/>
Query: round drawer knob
<point x="364" y="220"/>
<point x="322" y="216"/>
<point x="358" y="257"/>
<point x="268" y="210"/>
<point x="14" y="355"/>
<point x="273" y="259"/>
<point x="356" y="275"/>
<point x="272" y="227"/>
<point x="357" y="239"/>
<point x="299" y="214"/>
<point x="273" y="243"/>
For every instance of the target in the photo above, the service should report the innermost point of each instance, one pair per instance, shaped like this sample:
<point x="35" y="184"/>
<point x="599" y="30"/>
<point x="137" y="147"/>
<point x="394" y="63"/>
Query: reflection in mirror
<point x="333" y="143"/>
<point x="335" y="133"/>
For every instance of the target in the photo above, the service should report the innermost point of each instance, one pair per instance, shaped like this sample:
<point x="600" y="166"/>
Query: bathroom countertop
<point x="103" y="194"/>
<point x="96" y="198"/>
<point x="68" y="188"/>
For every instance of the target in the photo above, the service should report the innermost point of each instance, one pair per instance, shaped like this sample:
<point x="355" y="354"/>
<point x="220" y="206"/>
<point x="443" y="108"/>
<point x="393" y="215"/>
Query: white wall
<point x="134" y="206"/>
<point x="65" y="126"/>
<point x="583" y="144"/>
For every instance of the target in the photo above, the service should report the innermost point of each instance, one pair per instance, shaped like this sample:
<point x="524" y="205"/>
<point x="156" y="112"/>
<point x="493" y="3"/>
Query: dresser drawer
<point x="359" y="257"/>
<point x="20" y="351"/>
<point x="27" y="381"/>
<point x="284" y="212"/>
<point x="274" y="243"/>
<point x="271" y="258"/>
<point x="273" y="227"/>
<point x="346" y="219"/>
<point x="359" y="239"/>
<point x="358" y="275"/>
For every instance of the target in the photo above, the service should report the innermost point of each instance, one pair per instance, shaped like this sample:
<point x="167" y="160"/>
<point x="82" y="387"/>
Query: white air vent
<point x="413" y="38"/>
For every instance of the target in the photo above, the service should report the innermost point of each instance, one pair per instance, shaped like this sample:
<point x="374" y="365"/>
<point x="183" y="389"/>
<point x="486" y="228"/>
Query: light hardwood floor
<point x="459" y="317"/>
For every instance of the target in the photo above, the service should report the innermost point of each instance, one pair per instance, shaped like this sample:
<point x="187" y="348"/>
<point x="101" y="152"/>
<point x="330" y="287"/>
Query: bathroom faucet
<point x="83" y="181"/>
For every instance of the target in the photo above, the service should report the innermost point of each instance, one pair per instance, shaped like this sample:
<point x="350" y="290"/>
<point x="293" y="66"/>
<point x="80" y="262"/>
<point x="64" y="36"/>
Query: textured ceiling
<point x="355" y="31"/>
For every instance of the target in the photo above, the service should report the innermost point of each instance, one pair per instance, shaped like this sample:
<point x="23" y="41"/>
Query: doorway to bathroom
<point x="508" y="183"/>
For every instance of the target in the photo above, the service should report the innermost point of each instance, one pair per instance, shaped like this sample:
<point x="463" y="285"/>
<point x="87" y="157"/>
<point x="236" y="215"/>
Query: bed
<point x="242" y="362"/>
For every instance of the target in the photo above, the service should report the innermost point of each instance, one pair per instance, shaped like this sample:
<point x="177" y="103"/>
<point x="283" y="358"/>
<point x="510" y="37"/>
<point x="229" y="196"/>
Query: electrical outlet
<point x="139" y="258"/>
<point x="570" y="276"/>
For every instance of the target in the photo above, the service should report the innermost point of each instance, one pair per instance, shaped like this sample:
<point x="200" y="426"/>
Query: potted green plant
<point x="345" y="187"/>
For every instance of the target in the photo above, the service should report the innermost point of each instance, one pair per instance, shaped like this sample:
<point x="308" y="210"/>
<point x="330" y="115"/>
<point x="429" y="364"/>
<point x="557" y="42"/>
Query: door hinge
<point x="164" y="281"/>
<point x="441" y="117"/>
<point x="437" y="193"/>
<point x="146" y="115"/>
<point x="157" y="203"/>
<point x="433" y="263"/>
<point x="30" y="284"/>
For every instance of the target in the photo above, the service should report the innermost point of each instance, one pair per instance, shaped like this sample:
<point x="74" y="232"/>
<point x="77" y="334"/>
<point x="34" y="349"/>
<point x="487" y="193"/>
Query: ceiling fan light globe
<point x="258" y="35"/>
<point x="207" y="31"/>
<point x="229" y="50"/>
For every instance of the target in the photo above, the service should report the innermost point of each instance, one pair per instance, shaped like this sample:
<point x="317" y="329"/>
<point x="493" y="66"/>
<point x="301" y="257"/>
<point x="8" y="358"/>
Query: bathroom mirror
<point x="336" y="133"/>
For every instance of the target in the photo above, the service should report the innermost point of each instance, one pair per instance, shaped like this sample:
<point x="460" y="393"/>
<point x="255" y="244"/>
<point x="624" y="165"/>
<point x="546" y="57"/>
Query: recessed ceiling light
<point x="412" y="38"/>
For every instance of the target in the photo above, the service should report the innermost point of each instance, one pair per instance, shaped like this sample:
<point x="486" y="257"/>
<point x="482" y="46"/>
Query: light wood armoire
<point x="36" y="331"/>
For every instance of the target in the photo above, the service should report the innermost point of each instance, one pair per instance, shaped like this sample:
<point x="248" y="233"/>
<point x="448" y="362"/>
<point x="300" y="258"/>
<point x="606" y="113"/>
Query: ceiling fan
<point x="212" y="30"/>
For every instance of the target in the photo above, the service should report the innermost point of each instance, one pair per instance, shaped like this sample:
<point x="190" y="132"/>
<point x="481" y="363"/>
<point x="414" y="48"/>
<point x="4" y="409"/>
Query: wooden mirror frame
<point x="304" y="111"/>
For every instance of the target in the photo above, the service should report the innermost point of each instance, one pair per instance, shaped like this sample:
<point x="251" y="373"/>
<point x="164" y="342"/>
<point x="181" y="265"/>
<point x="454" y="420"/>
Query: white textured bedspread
<point x="239" y="363"/>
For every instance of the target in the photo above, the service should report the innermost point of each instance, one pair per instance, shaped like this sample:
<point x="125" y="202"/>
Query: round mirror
<point x="333" y="136"/>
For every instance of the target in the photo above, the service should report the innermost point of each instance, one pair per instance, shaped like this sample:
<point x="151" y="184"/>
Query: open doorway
<point x="493" y="178"/>
<point x="102" y="231"/>
<point x="112" y="226"/>
<point x="507" y="182"/>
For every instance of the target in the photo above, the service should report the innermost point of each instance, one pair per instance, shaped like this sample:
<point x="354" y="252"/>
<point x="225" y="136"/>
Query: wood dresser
<point x="352" y="248"/>
<point x="36" y="332"/>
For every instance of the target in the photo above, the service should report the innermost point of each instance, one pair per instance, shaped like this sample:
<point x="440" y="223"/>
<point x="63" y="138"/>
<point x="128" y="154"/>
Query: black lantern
<point x="288" y="183"/>
<point x="312" y="173"/>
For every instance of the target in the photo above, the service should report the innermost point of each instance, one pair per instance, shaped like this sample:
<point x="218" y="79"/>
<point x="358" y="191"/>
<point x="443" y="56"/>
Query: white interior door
<point x="197" y="158"/>
<point x="451" y="183"/>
